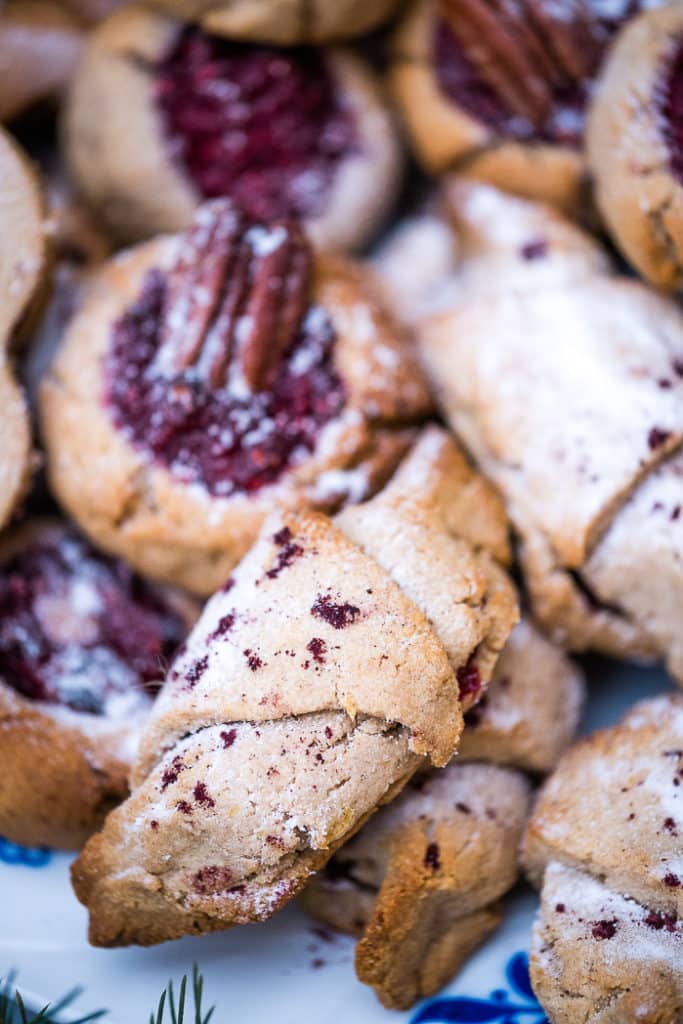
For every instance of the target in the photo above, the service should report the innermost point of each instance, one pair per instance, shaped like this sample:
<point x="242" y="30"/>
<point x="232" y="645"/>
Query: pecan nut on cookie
<point x="162" y="115"/>
<point x="22" y="258"/>
<point x="39" y="46"/>
<point x="606" y="843"/>
<point x="283" y="22"/>
<point x="83" y="645"/>
<point x="500" y="90"/>
<point x="635" y="144"/>
<point x="335" y="662"/>
<point x="564" y="382"/>
<point x="420" y="885"/>
<point x="208" y="375"/>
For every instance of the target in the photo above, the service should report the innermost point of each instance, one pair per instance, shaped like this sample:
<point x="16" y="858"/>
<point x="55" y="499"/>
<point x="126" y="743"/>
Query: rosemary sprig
<point x="13" y="1009"/>
<point x="178" y="1014"/>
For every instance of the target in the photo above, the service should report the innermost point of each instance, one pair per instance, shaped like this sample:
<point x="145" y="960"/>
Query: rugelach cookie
<point x="336" y="661"/>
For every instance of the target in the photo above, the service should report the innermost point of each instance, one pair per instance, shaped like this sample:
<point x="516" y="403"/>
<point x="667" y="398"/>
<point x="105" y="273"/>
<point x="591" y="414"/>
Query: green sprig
<point x="13" y="1009"/>
<point x="178" y="1014"/>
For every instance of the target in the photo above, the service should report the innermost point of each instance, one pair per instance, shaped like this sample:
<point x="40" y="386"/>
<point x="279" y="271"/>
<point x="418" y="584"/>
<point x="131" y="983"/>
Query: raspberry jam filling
<point x="266" y="127"/>
<point x="225" y="436"/>
<point x="80" y="629"/>
<point x="526" y="71"/>
<point x="672" y="111"/>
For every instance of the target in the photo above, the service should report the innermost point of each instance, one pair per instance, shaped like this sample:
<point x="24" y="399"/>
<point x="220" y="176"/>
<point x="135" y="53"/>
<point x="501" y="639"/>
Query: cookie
<point x="605" y="843"/>
<point x="77" y="246"/>
<point x="582" y="437"/>
<point x="283" y="22"/>
<point x="83" y="644"/>
<point x="500" y="92"/>
<point x="314" y="685"/>
<point x="635" y="145"/>
<point x="40" y="43"/>
<point x="162" y="116"/>
<point x="420" y="884"/>
<point x="176" y="472"/>
<point x="531" y="709"/>
<point x="22" y="262"/>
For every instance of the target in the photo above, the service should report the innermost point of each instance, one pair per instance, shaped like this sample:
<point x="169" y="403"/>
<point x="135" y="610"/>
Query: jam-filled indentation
<point x="222" y="371"/>
<point x="264" y="126"/>
<point x="527" y="70"/>
<point x="80" y="629"/>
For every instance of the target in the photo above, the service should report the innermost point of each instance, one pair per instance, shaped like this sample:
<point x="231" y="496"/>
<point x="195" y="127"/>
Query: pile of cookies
<point x="296" y="544"/>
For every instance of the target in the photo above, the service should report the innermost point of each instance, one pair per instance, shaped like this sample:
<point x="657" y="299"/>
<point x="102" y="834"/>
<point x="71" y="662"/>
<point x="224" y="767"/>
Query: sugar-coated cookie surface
<point x="580" y="436"/>
<point x="630" y="777"/>
<point x="600" y="957"/>
<point x="604" y="842"/>
<point x="418" y="885"/>
<point x="272" y="696"/>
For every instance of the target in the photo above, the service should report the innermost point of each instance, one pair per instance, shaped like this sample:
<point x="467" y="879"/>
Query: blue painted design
<point x="29" y="856"/>
<point x="502" y="1006"/>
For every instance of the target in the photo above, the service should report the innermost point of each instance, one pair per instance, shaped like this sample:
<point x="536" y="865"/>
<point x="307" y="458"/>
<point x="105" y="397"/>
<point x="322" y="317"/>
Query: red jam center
<point x="80" y="629"/>
<point x="263" y="126"/>
<point x="463" y="80"/>
<point x="672" y="109"/>
<point x="228" y="442"/>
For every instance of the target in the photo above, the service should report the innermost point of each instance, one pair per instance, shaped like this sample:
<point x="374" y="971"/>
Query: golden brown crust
<point x="182" y="534"/>
<point x="59" y="781"/>
<point x="445" y="137"/>
<point x="636" y="190"/>
<point x="273" y="699"/>
<point x="421" y="881"/>
<point x="283" y="22"/>
<point x="117" y="154"/>
<point x="22" y="259"/>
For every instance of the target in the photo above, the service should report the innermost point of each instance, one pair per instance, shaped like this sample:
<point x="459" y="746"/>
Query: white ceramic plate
<point x="283" y="971"/>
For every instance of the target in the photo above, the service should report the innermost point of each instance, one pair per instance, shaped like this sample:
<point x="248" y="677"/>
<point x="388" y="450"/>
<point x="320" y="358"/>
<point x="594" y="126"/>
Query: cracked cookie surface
<point x="273" y="693"/>
<point x="582" y="436"/>
<point x="604" y="841"/>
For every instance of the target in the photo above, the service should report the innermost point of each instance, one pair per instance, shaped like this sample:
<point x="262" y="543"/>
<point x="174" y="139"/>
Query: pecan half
<point x="235" y="297"/>
<point x="529" y="51"/>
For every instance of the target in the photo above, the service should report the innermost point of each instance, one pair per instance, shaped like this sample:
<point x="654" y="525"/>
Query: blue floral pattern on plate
<point x="28" y="856"/>
<point x="518" y="1006"/>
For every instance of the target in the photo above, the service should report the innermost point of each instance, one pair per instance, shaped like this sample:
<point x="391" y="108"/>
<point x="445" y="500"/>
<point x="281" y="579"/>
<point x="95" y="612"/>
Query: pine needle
<point x="13" y="1009"/>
